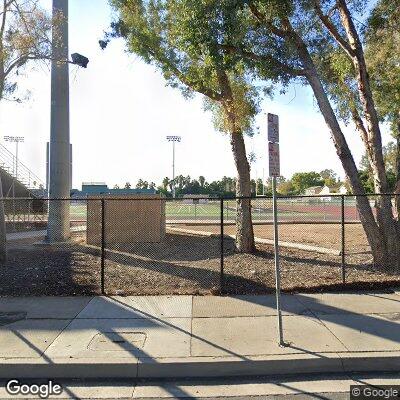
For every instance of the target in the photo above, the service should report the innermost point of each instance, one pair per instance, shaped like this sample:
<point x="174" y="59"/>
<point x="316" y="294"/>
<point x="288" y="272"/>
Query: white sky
<point x="121" y="112"/>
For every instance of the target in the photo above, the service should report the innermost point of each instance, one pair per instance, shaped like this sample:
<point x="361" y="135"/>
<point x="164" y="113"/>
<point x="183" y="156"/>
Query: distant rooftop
<point x="101" y="188"/>
<point x="94" y="184"/>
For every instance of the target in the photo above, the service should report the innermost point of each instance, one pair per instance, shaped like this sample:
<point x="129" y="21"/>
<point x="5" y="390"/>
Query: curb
<point x="200" y="367"/>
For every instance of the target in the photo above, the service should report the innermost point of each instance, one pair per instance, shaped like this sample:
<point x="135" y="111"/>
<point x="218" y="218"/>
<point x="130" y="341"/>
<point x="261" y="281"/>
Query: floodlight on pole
<point x="173" y="139"/>
<point x="16" y="140"/>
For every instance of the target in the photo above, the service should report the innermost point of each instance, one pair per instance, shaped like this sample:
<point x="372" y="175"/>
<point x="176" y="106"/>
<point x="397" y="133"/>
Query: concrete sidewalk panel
<point x="45" y="307"/>
<point x="363" y="303"/>
<point x="246" y="336"/>
<point x="29" y="338"/>
<point x="123" y="338"/>
<point x="365" y="332"/>
<point x="138" y="307"/>
<point x="245" y="306"/>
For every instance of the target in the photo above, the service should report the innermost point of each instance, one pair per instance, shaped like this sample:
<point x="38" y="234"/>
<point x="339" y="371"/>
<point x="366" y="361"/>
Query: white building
<point x="325" y="191"/>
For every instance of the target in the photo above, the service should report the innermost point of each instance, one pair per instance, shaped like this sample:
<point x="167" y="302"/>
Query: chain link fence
<point x="158" y="246"/>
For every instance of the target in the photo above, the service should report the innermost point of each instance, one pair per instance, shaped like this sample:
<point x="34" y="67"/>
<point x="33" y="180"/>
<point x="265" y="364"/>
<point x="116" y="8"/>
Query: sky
<point x="122" y="111"/>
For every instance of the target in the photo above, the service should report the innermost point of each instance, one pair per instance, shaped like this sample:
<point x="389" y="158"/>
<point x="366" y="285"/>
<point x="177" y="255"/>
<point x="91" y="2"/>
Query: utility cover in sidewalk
<point x="117" y="341"/>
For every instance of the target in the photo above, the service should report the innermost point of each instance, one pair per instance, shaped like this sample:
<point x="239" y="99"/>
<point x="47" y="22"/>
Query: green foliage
<point x="142" y="184"/>
<point x="186" y="185"/>
<point x="390" y="157"/>
<point x="382" y="41"/>
<point x="303" y="180"/>
<point x="329" y="176"/>
<point x="246" y="102"/>
<point x="258" y="189"/>
<point x="182" y="39"/>
<point x="25" y="29"/>
<point x="285" y="188"/>
<point x="367" y="181"/>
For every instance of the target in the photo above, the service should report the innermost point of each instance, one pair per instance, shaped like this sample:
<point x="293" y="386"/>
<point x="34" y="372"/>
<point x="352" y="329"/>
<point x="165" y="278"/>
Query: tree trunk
<point x="244" y="223"/>
<point x="384" y="211"/>
<point x="373" y="233"/>
<point x="397" y="187"/>
<point x="3" y="235"/>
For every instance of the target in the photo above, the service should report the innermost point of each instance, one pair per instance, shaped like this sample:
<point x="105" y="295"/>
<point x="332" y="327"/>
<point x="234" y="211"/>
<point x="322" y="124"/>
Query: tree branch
<point x="261" y="18"/>
<point x="332" y="29"/>
<point x="266" y="58"/>
<point x="197" y="86"/>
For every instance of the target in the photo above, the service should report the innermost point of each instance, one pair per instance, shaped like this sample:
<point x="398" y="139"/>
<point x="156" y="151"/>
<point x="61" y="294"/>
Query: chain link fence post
<point x="343" y="241"/>
<point x="102" y="245"/>
<point x="221" y="283"/>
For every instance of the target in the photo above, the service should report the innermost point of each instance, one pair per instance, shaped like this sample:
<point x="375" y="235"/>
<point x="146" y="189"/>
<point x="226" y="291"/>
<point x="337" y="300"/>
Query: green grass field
<point x="262" y="210"/>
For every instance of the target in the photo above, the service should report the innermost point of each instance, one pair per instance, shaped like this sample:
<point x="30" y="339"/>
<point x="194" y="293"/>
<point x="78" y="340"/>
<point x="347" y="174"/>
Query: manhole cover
<point x="10" y="317"/>
<point x="117" y="341"/>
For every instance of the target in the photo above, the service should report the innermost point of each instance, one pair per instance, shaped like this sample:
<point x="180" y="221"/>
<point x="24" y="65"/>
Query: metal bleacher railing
<point x="21" y="173"/>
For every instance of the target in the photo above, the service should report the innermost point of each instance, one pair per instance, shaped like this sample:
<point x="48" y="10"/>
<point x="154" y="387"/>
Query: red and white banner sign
<point x="273" y="128"/>
<point x="274" y="161"/>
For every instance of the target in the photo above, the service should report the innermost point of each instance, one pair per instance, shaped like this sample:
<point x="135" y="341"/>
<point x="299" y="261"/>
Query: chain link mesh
<point x="158" y="246"/>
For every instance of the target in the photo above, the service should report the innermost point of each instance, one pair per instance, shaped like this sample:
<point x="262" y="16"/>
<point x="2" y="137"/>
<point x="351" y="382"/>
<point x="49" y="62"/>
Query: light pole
<point x="16" y="140"/>
<point x="263" y="183"/>
<point x="173" y="139"/>
<point x="58" y="229"/>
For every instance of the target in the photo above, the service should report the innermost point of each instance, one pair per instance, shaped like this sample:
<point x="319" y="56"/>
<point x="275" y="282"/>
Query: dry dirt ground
<point x="189" y="264"/>
<point x="322" y="235"/>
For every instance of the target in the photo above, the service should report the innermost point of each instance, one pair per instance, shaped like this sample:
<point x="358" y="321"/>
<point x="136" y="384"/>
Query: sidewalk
<point x="185" y="336"/>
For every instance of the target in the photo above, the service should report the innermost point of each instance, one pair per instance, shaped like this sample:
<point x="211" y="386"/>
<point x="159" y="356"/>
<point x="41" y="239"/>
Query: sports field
<point x="288" y="210"/>
<point x="295" y="210"/>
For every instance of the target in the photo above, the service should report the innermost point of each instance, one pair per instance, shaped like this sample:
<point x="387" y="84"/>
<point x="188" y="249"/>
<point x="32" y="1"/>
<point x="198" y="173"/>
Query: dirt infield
<point x="323" y="235"/>
<point x="184" y="264"/>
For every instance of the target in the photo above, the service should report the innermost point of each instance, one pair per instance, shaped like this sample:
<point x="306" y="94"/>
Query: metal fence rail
<point x="182" y="246"/>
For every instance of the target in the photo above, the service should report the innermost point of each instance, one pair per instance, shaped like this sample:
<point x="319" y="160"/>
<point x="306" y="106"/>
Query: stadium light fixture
<point x="173" y="139"/>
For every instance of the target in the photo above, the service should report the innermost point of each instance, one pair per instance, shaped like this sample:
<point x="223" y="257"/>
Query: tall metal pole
<point x="173" y="139"/>
<point x="47" y="168"/>
<point x="263" y="184"/>
<point x="58" y="229"/>
<point x="173" y="170"/>
<point x="277" y="267"/>
<point x="274" y="171"/>
<point x="222" y="251"/>
<point x="343" y="243"/>
<point x="16" y="160"/>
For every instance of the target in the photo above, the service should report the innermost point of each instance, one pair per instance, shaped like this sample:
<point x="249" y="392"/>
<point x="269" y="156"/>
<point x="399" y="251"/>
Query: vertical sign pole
<point x="173" y="169"/>
<point x="16" y="161"/>
<point x="277" y="267"/>
<point x="274" y="171"/>
<point x="343" y="244"/>
<point x="103" y="245"/>
<point x="221" y="284"/>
